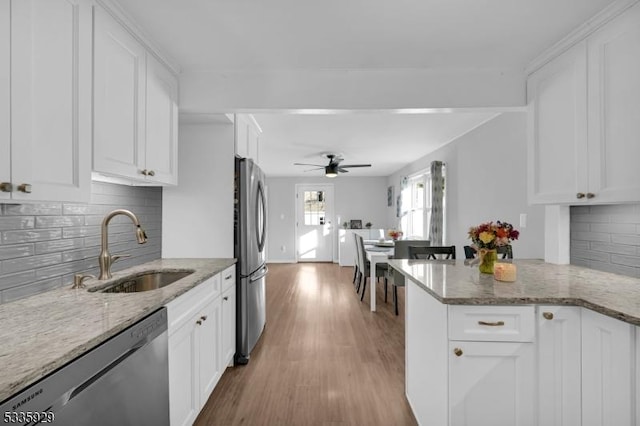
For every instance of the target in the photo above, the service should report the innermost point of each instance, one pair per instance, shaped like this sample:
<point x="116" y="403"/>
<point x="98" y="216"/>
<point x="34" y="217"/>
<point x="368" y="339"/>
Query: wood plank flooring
<point x="323" y="359"/>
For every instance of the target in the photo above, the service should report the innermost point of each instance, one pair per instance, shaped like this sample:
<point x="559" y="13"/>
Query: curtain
<point x="436" y="230"/>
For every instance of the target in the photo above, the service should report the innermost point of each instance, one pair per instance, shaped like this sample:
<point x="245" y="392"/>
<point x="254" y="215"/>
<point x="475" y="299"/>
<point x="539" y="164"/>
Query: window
<point x="314" y="208"/>
<point x="416" y="204"/>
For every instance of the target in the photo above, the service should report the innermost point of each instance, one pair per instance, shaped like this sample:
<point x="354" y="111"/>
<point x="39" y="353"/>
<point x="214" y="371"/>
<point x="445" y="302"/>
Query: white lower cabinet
<point x="608" y="358"/>
<point x="491" y="383"/>
<point x="559" y="373"/>
<point x="201" y="344"/>
<point x="481" y="365"/>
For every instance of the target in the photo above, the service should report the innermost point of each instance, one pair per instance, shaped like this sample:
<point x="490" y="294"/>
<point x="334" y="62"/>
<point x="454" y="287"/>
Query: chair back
<point x="362" y="262"/>
<point x="401" y="247"/>
<point x="417" y="252"/>
<point x="505" y="251"/>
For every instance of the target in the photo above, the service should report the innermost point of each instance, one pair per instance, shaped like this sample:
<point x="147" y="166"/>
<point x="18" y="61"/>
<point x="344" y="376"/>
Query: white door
<point x="314" y="216"/>
<point x="491" y="383"/>
<point x="50" y="99"/>
<point x="5" y="104"/>
<point x="607" y="370"/>
<point x="559" y="359"/>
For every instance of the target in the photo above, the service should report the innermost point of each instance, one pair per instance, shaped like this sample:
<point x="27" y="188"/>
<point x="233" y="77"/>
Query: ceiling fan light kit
<point x="334" y="167"/>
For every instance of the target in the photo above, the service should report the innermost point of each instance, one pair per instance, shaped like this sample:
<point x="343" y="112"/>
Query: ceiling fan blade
<point x="307" y="164"/>
<point x="355" y="165"/>
<point x="317" y="168"/>
<point x="341" y="170"/>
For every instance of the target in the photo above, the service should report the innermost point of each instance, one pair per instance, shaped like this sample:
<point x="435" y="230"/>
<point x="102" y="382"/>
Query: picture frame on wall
<point x="355" y="224"/>
<point x="390" y="196"/>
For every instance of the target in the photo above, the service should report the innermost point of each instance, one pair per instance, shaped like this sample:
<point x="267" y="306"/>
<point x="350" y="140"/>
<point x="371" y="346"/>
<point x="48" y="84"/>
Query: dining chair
<point x="365" y="268"/>
<point x="356" y="270"/>
<point x="401" y="251"/>
<point x="505" y="251"/>
<point x="431" y="252"/>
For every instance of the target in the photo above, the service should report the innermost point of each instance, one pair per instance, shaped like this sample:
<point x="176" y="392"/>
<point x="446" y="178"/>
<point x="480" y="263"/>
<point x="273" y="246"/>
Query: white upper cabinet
<point x="557" y="150"/>
<point x="119" y="94"/>
<point x="247" y="137"/>
<point x="161" y="151"/>
<point x="5" y="100"/>
<point x="583" y="125"/>
<point x="136" y="112"/>
<point x="50" y="106"/>
<point x="614" y="109"/>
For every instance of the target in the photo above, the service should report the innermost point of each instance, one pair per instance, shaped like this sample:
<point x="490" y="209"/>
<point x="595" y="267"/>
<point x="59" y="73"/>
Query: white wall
<point x="486" y="180"/>
<point x="351" y="89"/>
<point x="355" y="198"/>
<point x="198" y="213"/>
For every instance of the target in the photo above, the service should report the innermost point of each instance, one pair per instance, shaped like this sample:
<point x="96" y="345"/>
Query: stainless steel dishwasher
<point x="123" y="381"/>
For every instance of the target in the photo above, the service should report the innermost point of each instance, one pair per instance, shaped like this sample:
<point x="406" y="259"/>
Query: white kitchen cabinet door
<point x="607" y="371"/>
<point x="50" y="99"/>
<point x="119" y="99"/>
<point x="559" y="372"/>
<point x="614" y="109"/>
<point x="241" y="136"/>
<point x="228" y="327"/>
<point x="209" y="348"/>
<point x="161" y="150"/>
<point x="184" y="399"/>
<point x="253" y="139"/>
<point x="557" y="126"/>
<point x="5" y="99"/>
<point x="491" y="383"/>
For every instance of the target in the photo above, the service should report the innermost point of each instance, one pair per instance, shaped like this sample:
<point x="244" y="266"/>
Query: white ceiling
<point x="258" y="35"/>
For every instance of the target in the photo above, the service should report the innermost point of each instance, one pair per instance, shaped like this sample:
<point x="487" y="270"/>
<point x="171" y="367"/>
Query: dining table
<point x="377" y="252"/>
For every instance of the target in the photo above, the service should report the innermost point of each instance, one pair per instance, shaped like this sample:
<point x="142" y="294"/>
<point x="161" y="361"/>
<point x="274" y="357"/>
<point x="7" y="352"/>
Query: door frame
<point x="330" y="217"/>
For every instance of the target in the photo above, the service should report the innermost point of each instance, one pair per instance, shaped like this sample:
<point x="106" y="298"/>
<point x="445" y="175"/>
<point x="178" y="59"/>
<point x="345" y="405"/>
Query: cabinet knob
<point x="144" y="172"/>
<point x="457" y="351"/>
<point x="547" y="315"/>
<point x="580" y="195"/>
<point x="6" y="187"/>
<point x="199" y="322"/>
<point x="24" y="187"/>
<point x="151" y="173"/>
<point x="590" y="195"/>
<point x="225" y="298"/>
<point x="203" y="318"/>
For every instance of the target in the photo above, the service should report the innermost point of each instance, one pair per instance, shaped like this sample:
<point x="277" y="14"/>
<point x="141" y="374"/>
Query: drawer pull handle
<point x="547" y="315"/>
<point x="457" y="351"/>
<point x="228" y="277"/>
<point x="492" y="324"/>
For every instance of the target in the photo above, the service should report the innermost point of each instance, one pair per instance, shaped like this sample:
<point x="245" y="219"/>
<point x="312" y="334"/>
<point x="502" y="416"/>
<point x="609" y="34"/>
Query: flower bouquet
<point x="394" y="234"/>
<point x="487" y="237"/>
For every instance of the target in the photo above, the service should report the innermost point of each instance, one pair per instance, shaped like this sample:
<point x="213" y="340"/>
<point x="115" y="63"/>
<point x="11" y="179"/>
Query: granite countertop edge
<point x="203" y="269"/>
<point x="605" y="307"/>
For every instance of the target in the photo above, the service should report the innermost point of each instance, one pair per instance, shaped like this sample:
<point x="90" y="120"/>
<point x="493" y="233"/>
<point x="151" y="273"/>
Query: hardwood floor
<point x="323" y="359"/>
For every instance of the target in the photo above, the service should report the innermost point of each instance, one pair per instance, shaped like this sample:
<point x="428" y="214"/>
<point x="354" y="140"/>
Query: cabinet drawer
<point x="492" y="323"/>
<point x="228" y="277"/>
<point x="183" y="307"/>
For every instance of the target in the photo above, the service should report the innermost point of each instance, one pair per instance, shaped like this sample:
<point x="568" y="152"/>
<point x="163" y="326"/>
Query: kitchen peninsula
<point x="557" y="346"/>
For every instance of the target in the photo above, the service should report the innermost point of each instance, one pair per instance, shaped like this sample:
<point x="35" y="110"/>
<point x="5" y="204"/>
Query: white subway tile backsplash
<point x="607" y="238"/>
<point x="42" y="245"/>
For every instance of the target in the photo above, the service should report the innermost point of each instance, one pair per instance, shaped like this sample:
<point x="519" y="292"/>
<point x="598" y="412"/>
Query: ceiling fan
<point x="334" y="167"/>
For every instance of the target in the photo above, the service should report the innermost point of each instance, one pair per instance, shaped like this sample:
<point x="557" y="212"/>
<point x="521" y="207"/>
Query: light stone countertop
<point x="455" y="283"/>
<point x="41" y="333"/>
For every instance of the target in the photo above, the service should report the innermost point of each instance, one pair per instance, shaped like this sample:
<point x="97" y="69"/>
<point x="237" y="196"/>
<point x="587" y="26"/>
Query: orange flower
<point x="501" y="233"/>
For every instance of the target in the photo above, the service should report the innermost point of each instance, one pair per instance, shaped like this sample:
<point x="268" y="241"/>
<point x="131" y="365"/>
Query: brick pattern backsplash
<point x="607" y="238"/>
<point x="43" y="245"/>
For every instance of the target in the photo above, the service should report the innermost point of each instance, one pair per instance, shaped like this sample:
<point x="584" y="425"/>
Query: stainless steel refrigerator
<point x="250" y="245"/>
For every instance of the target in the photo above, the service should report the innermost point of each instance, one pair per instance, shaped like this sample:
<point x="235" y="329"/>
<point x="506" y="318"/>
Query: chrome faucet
<point x="106" y="259"/>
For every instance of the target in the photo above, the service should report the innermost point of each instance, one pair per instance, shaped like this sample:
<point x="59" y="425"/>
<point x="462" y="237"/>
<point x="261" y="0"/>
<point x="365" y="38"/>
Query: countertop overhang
<point x="458" y="283"/>
<point x="40" y="334"/>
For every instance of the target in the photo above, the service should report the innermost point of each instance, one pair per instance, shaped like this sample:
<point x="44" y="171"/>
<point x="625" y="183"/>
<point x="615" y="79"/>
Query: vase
<point x="488" y="259"/>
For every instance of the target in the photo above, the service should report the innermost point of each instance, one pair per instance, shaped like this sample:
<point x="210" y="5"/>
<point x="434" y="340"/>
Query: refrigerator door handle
<point x="263" y="273"/>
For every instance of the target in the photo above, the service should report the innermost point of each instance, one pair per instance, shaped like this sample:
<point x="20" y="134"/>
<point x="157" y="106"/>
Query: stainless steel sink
<point x="143" y="282"/>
